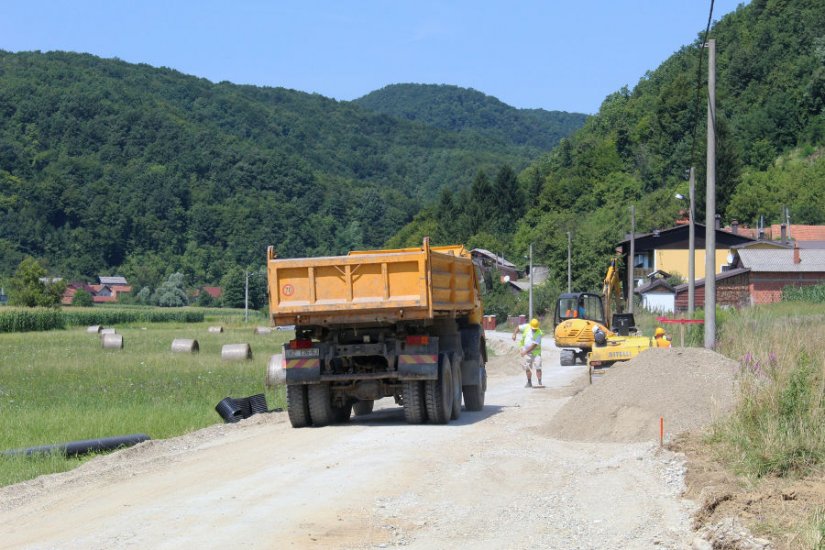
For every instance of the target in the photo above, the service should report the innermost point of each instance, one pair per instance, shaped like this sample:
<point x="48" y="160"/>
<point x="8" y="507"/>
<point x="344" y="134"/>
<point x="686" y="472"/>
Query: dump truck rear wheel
<point x="415" y="410"/>
<point x="567" y="358"/>
<point x="360" y="408"/>
<point x="456" y="413"/>
<point x="320" y="405"/>
<point x="297" y="405"/>
<point x="474" y="395"/>
<point x="439" y="393"/>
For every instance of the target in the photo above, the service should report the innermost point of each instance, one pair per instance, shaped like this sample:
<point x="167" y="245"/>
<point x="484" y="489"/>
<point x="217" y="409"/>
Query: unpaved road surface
<point x="489" y="480"/>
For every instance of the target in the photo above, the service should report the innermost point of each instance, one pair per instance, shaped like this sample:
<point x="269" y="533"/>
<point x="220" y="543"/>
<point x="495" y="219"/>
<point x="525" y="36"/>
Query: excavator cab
<point x="579" y="305"/>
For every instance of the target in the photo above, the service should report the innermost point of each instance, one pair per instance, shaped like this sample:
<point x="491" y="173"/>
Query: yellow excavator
<point x="591" y="328"/>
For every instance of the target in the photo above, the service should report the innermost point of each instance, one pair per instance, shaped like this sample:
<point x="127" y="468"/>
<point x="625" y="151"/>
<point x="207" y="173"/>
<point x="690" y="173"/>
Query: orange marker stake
<point x="661" y="431"/>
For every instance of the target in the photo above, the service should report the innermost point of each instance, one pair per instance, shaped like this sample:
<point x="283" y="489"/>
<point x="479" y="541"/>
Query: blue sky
<point x="551" y="54"/>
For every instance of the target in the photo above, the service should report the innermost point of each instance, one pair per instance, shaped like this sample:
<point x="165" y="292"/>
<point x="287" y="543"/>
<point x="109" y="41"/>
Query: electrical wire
<point x="699" y="88"/>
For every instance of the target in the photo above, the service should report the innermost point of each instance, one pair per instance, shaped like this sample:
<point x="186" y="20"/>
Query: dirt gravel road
<point x="490" y="480"/>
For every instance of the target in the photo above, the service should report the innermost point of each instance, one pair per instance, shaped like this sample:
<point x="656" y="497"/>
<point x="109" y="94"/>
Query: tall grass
<point x="778" y="426"/>
<point x="62" y="386"/>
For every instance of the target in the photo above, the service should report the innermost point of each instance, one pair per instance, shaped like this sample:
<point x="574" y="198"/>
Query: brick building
<point x="758" y="275"/>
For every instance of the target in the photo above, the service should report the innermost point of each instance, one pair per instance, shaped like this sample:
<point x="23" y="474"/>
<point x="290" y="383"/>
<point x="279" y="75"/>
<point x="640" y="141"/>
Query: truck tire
<point x="439" y="393"/>
<point x="568" y="357"/>
<point x="320" y="405"/>
<point x="360" y="408"/>
<point x="474" y="395"/>
<point x="456" y="413"/>
<point x="415" y="409"/>
<point x="297" y="405"/>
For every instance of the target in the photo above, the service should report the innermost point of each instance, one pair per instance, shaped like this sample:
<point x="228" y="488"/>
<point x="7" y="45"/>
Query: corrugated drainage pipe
<point x="74" y="448"/>
<point x="230" y="409"/>
<point x="257" y="403"/>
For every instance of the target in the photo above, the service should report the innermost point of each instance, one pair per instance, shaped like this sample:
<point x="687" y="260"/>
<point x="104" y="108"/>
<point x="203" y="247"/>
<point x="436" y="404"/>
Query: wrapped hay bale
<point x="185" y="345"/>
<point x="94" y="329"/>
<point x="104" y="331"/>
<point x="263" y="330"/>
<point x="112" y="341"/>
<point x="215" y="330"/>
<point x="235" y="352"/>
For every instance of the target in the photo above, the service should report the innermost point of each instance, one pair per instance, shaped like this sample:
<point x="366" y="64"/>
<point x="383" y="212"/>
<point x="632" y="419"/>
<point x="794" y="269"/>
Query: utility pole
<point x="569" y="270"/>
<point x="692" y="248"/>
<point x="630" y="258"/>
<point x="246" y="298"/>
<point x="710" y="209"/>
<point x="531" y="283"/>
<point x="788" y="223"/>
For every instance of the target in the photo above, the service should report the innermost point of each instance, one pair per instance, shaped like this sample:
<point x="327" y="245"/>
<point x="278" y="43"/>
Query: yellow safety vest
<point x="537" y="349"/>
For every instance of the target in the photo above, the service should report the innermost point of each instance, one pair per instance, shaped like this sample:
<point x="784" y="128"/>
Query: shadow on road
<point x="394" y="416"/>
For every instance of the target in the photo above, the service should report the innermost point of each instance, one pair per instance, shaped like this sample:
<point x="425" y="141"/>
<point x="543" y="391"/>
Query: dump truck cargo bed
<point x="380" y="286"/>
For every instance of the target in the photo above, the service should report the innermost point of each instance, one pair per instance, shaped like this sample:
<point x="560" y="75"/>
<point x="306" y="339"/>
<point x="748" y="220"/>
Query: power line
<point x="699" y="87"/>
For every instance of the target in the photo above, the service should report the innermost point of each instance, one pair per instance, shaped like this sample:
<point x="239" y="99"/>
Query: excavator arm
<point x="611" y="292"/>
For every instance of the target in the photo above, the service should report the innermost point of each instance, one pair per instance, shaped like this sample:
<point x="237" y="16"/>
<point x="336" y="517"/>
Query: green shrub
<point x="812" y="294"/>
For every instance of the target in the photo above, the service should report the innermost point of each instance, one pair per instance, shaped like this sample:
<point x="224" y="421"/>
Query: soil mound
<point x="688" y="387"/>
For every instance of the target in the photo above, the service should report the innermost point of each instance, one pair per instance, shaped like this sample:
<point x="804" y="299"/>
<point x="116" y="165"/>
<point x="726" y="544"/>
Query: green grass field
<point x="59" y="386"/>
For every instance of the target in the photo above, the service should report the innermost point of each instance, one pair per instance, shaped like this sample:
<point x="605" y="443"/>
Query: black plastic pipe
<point x="74" y="448"/>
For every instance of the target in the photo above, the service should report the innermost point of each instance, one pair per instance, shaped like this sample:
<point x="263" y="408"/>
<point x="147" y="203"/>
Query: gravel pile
<point x="688" y="387"/>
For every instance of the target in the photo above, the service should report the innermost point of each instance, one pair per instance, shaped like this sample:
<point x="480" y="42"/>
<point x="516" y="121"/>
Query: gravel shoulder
<point x="494" y="479"/>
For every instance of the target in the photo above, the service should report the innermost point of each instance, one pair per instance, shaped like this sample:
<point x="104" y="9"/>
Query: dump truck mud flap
<point x="418" y="367"/>
<point x="282" y="371"/>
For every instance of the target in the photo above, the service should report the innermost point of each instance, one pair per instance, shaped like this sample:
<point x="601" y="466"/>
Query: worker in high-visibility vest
<point x="530" y="350"/>
<point x="660" y="338"/>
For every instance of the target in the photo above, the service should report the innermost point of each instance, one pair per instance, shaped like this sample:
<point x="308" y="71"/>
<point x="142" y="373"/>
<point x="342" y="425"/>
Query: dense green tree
<point x="172" y="292"/>
<point x="29" y="289"/>
<point x="233" y="289"/>
<point x="107" y="166"/>
<point x="82" y="298"/>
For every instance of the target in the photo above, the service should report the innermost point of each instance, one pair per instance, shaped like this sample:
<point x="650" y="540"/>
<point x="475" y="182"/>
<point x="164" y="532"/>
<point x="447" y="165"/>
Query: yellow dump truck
<point x="401" y="323"/>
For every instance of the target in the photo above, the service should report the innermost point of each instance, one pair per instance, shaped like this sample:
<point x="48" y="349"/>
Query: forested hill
<point x="770" y="129"/>
<point x="467" y="110"/>
<point x="107" y="166"/>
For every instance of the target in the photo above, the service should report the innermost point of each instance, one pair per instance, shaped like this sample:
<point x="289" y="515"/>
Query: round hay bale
<point x="231" y="352"/>
<point x="112" y="341"/>
<point x="94" y="329"/>
<point x="104" y="331"/>
<point x="215" y="330"/>
<point x="263" y="330"/>
<point x="185" y="345"/>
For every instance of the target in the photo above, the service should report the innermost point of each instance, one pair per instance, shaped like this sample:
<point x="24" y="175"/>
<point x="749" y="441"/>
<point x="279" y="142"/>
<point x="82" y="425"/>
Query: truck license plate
<point x="311" y="352"/>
